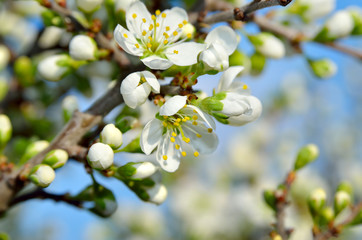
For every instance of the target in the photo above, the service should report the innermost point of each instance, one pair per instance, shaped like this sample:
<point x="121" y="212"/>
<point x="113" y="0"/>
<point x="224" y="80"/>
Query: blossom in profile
<point x="178" y="124"/>
<point x="157" y="39"/>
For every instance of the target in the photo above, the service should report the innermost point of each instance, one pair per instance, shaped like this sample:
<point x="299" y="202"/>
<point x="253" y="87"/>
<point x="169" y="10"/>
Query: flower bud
<point x="306" y="155"/>
<point x="69" y="105"/>
<point x="3" y="88"/>
<point x="137" y="170"/>
<point x="257" y="63"/>
<point x="100" y="156"/>
<point x="42" y="175"/>
<point x="50" y="69"/>
<point x="346" y="187"/>
<point x="327" y="215"/>
<point x="157" y="194"/>
<point x="89" y="6"/>
<point x="188" y="31"/>
<point x="112" y="136"/>
<point x="316" y="201"/>
<point x="269" y="198"/>
<point x="50" y="37"/>
<point x="33" y="149"/>
<point x="340" y="24"/>
<point x="4" y="56"/>
<point x="56" y="158"/>
<point x="215" y="57"/>
<point x="356" y="14"/>
<point x="5" y="130"/>
<point x="312" y="9"/>
<point x="323" y="68"/>
<point x="24" y="71"/>
<point x="82" y="47"/>
<point x="341" y="200"/>
<point x="268" y="45"/>
<point x="123" y="5"/>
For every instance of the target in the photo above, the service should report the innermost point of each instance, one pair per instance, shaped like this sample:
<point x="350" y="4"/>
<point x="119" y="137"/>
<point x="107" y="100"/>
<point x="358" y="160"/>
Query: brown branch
<point x="352" y="52"/>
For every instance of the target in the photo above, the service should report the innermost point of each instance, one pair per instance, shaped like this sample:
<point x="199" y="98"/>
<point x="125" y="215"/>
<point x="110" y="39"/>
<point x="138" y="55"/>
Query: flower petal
<point x="127" y="43"/>
<point x="251" y="115"/>
<point x="155" y="62"/>
<point x="152" y="80"/>
<point x="136" y="25"/>
<point x="184" y="54"/>
<point x="151" y="136"/>
<point x="235" y="104"/>
<point x="138" y="96"/>
<point x="167" y="155"/>
<point x="215" y="57"/>
<point x="225" y="36"/>
<point x="201" y="139"/>
<point x="129" y="84"/>
<point x="227" y="78"/>
<point x="173" y="18"/>
<point x="190" y="110"/>
<point x="173" y="105"/>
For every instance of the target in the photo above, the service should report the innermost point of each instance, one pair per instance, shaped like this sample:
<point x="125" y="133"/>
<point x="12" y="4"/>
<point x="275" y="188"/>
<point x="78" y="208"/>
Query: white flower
<point x="177" y="123"/>
<point x="56" y="158"/>
<point x="123" y="5"/>
<point x="112" y="136"/>
<point x="89" y="6"/>
<point x="42" y="175"/>
<point x="50" y="37"/>
<point x="157" y="193"/>
<point x="221" y="43"/>
<point x="144" y="170"/>
<point x="268" y="45"/>
<point x="156" y="39"/>
<point x="4" y="56"/>
<point x="49" y="69"/>
<point x="340" y="24"/>
<point x="100" y="156"/>
<point x="5" y="129"/>
<point x="312" y="9"/>
<point x="136" y="87"/>
<point x="70" y="104"/>
<point x="82" y="47"/>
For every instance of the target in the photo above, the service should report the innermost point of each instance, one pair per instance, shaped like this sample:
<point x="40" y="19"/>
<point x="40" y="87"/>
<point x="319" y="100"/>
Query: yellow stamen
<point x="245" y="87"/>
<point x="178" y="120"/>
<point x="125" y="35"/>
<point x="189" y="35"/>
<point x="137" y="45"/>
<point x="175" y="51"/>
<point x="167" y="28"/>
<point x="164" y="124"/>
<point x="151" y="27"/>
<point x="164" y="157"/>
<point x="144" y="20"/>
<point x="184" y="120"/>
<point x="209" y="130"/>
<point x="149" y="37"/>
<point x="153" y="17"/>
<point x="198" y="135"/>
<point x="165" y="42"/>
<point x="144" y="33"/>
<point x="183" y="153"/>
<point x="187" y="140"/>
<point x="187" y="118"/>
<point x="166" y="35"/>
<point x="184" y="22"/>
<point x="158" y="12"/>
<point x="163" y="15"/>
<point x="172" y="139"/>
<point x="194" y="123"/>
<point x="174" y="134"/>
<point x="157" y="24"/>
<point x="180" y="25"/>
<point x="176" y="124"/>
<point x="177" y="146"/>
<point x="175" y="33"/>
<point x="134" y="15"/>
<point x="149" y="45"/>
<point x="196" y="154"/>
<point x="194" y="117"/>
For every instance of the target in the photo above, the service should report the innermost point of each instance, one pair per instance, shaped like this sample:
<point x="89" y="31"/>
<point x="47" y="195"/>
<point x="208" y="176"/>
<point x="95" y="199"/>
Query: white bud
<point x="215" y="57"/>
<point x="340" y="24"/>
<point x="341" y="200"/>
<point x="112" y="136"/>
<point x="157" y="193"/>
<point x="50" y="37"/>
<point x="312" y="9"/>
<point x="269" y="45"/>
<point x="35" y="148"/>
<point x="188" y="31"/>
<point x="317" y="200"/>
<point x="5" y="129"/>
<point x="4" y="56"/>
<point x="49" y="68"/>
<point x="100" y="156"/>
<point x="144" y="170"/>
<point x="122" y="5"/>
<point x="42" y="175"/>
<point x="56" y="158"/>
<point x="70" y="104"/>
<point x="82" y="47"/>
<point x="89" y="6"/>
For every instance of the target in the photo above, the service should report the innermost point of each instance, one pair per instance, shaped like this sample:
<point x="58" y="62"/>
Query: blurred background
<point x="217" y="196"/>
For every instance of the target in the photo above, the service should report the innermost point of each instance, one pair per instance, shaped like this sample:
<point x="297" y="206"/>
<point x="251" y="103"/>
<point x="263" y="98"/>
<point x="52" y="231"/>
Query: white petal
<point x="128" y="44"/>
<point x="136" y="25"/>
<point x="189" y="110"/>
<point x="251" y="115"/>
<point x="155" y="62"/>
<point x="207" y="143"/>
<point x="129" y="84"/>
<point x="235" y="104"/>
<point x="187" y="53"/>
<point x="138" y="96"/>
<point x="174" y="16"/>
<point x="151" y="136"/>
<point x="167" y="148"/>
<point x="225" y="36"/>
<point x="173" y="105"/>
<point x="152" y="80"/>
<point x="227" y="78"/>
<point x="215" y="57"/>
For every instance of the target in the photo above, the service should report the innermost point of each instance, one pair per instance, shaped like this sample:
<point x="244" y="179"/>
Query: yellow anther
<point x="134" y="15"/>
<point x="125" y="35"/>
<point x="165" y="42"/>
<point x="194" y="117"/>
<point x="196" y="154"/>
<point x="151" y="27"/>
<point x="194" y="123"/>
<point x="183" y="153"/>
<point x="180" y="25"/>
<point x="189" y="35"/>
<point x="157" y="24"/>
<point x="198" y="135"/>
<point x="172" y="139"/>
<point x="245" y="87"/>
<point x="144" y="20"/>
<point x="163" y="15"/>
<point x="158" y="12"/>
<point x="165" y="117"/>
<point x="167" y="28"/>
<point x="137" y="45"/>
<point x="149" y="45"/>
<point x="187" y="118"/>
<point x="175" y="33"/>
<point x="177" y="146"/>
<point x="166" y="35"/>
<point x="164" y="157"/>
<point x="187" y="140"/>
<point x="175" y="51"/>
<point x="176" y="124"/>
<point x="185" y="105"/>
<point x="153" y="17"/>
<point x="178" y="120"/>
<point x="144" y="33"/>
<point x="184" y="22"/>
<point x="164" y="124"/>
<point x="184" y="120"/>
<point x="209" y="130"/>
<point x="174" y="134"/>
<point x="149" y="37"/>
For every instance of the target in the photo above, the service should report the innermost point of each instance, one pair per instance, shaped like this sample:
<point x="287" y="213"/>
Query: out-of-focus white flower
<point x="4" y="56"/>
<point x="70" y="104"/>
<point x="340" y="24"/>
<point x="136" y="87"/>
<point x="221" y="43"/>
<point x="268" y="45"/>
<point x="111" y="136"/>
<point x="89" y="6"/>
<point x="82" y="47"/>
<point x="49" y="67"/>
<point x="123" y="5"/>
<point x="5" y="129"/>
<point x="100" y="156"/>
<point x="42" y="175"/>
<point x="157" y="193"/>
<point x="156" y="39"/>
<point x="50" y="37"/>
<point x="177" y="123"/>
<point x="313" y="9"/>
<point x="56" y="158"/>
